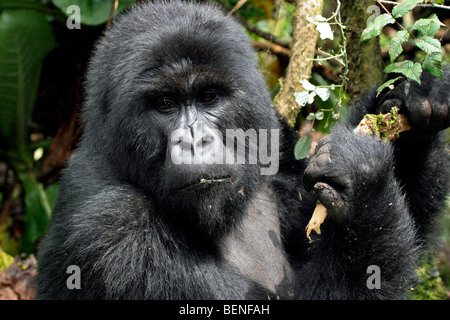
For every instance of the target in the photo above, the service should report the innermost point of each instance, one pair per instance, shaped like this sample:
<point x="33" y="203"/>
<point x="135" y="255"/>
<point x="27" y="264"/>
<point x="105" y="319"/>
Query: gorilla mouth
<point x="215" y="180"/>
<point x="204" y="183"/>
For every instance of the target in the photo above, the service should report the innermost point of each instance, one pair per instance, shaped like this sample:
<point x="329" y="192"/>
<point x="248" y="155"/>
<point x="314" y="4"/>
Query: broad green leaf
<point x="407" y="68"/>
<point x="376" y="26"/>
<point x="93" y="12"/>
<point x="428" y="44"/>
<point x="435" y="18"/>
<point x="387" y="84"/>
<point x="38" y="208"/>
<point x="395" y="47"/>
<point x="433" y="64"/>
<point x="5" y="260"/>
<point x="302" y="147"/>
<point x="52" y="192"/>
<point x="289" y="7"/>
<point x="423" y="22"/>
<point x="404" y="7"/>
<point x="426" y="27"/>
<point x="26" y="38"/>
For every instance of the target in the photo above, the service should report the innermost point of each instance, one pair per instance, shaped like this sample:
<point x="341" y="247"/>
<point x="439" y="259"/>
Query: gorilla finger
<point x="316" y="170"/>
<point x="389" y="104"/>
<point x="419" y="114"/>
<point x="440" y="118"/>
<point x="331" y="200"/>
<point x="323" y="145"/>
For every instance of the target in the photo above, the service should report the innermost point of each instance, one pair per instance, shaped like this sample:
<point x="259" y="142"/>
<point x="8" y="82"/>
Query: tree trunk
<point x="364" y="58"/>
<point x="304" y="40"/>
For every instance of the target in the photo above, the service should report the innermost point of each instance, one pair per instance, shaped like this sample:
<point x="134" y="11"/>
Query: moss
<point x="384" y="126"/>
<point x="430" y="286"/>
<point x="394" y="117"/>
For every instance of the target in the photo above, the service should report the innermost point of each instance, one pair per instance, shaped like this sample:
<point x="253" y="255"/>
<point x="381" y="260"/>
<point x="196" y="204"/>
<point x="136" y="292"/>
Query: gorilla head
<point x="161" y="84"/>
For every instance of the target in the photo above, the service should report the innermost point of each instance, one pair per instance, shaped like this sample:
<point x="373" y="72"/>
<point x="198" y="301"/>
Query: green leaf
<point x="425" y="22"/>
<point x="5" y="260"/>
<point x="38" y="208"/>
<point x="93" y="12"/>
<point x="407" y="68"/>
<point x="52" y="192"/>
<point x="435" y="18"/>
<point x="426" y="27"/>
<point x="428" y="44"/>
<point x="387" y="84"/>
<point x="310" y="116"/>
<point x="433" y="64"/>
<point x="376" y="26"/>
<point x="319" y="115"/>
<point x="26" y="38"/>
<point x="289" y="7"/>
<point x="395" y="47"/>
<point x="403" y="8"/>
<point x="302" y="147"/>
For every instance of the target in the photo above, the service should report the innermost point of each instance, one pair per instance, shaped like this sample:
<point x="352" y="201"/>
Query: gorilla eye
<point x="208" y="97"/>
<point x="165" y="104"/>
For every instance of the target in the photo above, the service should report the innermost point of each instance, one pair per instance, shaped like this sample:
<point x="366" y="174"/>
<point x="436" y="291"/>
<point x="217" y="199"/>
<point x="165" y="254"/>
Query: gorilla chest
<point x="255" y="248"/>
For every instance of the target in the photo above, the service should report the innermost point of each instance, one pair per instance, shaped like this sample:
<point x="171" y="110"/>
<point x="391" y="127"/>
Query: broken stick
<point x="385" y="127"/>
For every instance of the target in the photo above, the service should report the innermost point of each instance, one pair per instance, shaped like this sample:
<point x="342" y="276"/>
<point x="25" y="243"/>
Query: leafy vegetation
<point x="430" y="285"/>
<point x="27" y="37"/>
<point x="426" y="30"/>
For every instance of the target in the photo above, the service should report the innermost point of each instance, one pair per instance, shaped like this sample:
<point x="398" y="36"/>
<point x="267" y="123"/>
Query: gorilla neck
<point x="210" y="216"/>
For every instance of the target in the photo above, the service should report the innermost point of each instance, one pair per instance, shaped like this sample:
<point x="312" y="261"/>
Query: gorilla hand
<point x="426" y="105"/>
<point x="343" y="168"/>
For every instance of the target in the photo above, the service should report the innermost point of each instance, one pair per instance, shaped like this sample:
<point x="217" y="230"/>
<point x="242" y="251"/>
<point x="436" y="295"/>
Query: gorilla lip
<point x="203" y="182"/>
<point x="219" y="180"/>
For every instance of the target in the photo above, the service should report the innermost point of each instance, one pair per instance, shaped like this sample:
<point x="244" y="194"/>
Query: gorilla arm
<point x="419" y="151"/>
<point x="383" y="126"/>
<point x="368" y="221"/>
<point x="381" y="197"/>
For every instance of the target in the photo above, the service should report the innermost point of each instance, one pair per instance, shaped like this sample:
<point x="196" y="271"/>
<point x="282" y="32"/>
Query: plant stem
<point x="379" y="2"/>
<point x="440" y="6"/>
<point x="342" y="90"/>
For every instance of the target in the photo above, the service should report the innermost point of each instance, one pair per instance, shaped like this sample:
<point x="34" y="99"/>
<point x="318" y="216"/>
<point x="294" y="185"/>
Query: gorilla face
<point x="166" y="104"/>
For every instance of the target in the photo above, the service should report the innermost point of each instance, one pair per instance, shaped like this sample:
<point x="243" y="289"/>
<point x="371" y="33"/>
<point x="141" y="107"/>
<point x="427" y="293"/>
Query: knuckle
<point x="425" y="110"/>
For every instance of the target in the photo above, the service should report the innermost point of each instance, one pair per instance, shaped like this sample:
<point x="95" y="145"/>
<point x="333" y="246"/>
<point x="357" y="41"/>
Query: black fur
<point x="140" y="227"/>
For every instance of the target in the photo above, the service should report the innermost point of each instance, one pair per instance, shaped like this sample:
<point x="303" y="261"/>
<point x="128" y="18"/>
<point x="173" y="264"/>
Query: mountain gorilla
<point x="147" y="211"/>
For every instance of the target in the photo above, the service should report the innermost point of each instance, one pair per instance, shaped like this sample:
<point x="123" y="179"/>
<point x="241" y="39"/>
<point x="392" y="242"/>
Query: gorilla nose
<point x="199" y="144"/>
<point x="204" y="142"/>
